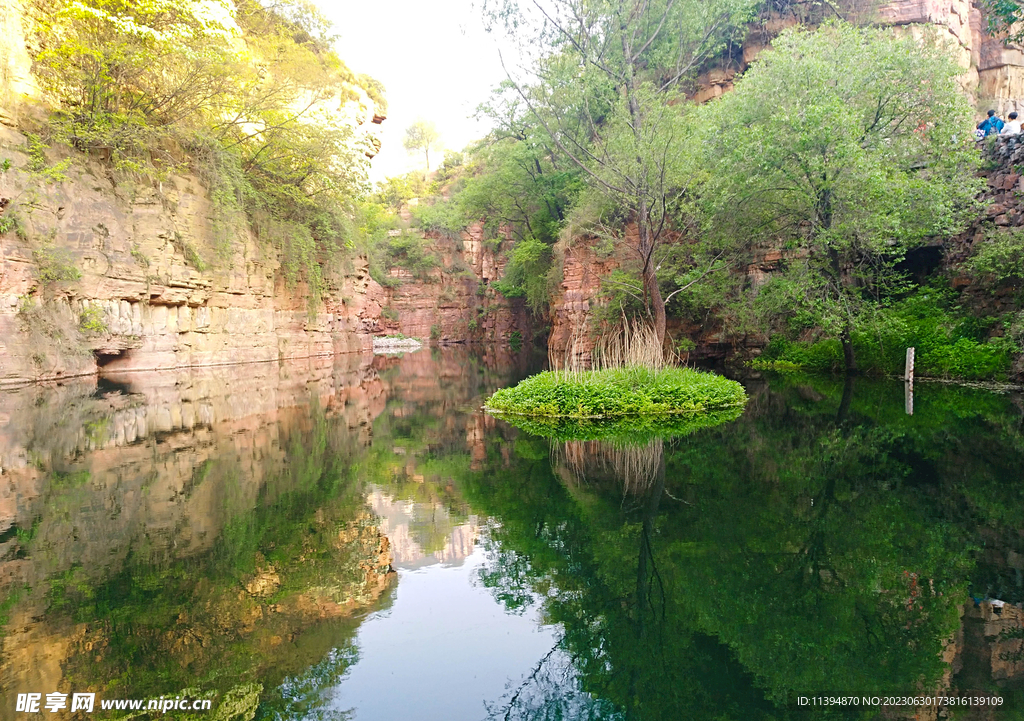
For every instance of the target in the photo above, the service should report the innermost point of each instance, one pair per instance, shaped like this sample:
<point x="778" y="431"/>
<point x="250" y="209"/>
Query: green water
<point x="356" y="539"/>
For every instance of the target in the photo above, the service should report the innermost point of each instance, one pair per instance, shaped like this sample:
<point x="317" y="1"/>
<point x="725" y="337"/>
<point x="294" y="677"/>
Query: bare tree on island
<point x="608" y="84"/>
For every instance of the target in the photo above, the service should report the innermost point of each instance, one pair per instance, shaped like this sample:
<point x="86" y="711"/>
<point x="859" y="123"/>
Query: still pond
<point x="353" y="538"/>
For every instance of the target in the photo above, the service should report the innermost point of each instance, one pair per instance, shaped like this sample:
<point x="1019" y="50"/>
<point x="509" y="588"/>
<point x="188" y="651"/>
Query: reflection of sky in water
<point x="422" y="534"/>
<point x="443" y="649"/>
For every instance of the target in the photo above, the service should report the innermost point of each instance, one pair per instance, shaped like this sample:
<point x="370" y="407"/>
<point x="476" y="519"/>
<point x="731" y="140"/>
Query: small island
<point x="619" y="402"/>
<point x="618" y="392"/>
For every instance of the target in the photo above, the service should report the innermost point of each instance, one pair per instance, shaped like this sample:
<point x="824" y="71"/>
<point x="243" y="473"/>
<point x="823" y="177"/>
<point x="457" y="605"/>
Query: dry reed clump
<point x="632" y="344"/>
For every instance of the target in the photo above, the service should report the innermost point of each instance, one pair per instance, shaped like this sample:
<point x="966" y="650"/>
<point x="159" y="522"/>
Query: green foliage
<point x="10" y="222"/>
<point x="948" y="344"/>
<point x="766" y="541"/>
<point x="251" y="94"/>
<point x="781" y="366"/>
<point x="528" y="273"/>
<point x="608" y="87"/>
<point x="389" y="313"/>
<point x="55" y="264"/>
<point x="516" y="184"/>
<point x="435" y="332"/>
<point x="618" y="392"/>
<point x="13" y="597"/>
<point x="473" y="325"/>
<point x="1004" y="18"/>
<point x="91" y="320"/>
<point x="847" y="146"/>
<point x="412" y="252"/>
<point x="139" y="256"/>
<point x="515" y="341"/>
<point x="396" y="191"/>
<point x="373" y="220"/>
<point x="422" y="136"/>
<point x="39" y="165"/>
<point x="1000" y="256"/>
<point x="629" y="430"/>
<point x="442" y="217"/>
<point x="188" y="250"/>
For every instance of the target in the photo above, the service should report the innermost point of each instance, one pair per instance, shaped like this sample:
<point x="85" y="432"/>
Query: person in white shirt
<point x="1012" y="127"/>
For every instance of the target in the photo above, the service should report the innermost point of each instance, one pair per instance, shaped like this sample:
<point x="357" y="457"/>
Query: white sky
<point x="435" y="61"/>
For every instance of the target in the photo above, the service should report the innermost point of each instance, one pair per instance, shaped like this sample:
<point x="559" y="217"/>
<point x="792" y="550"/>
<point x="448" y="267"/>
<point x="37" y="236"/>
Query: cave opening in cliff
<point x="106" y="357"/>
<point x="920" y="263"/>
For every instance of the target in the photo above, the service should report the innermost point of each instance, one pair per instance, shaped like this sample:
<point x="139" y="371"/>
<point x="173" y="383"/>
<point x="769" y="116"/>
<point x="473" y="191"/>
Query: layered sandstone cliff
<point x="456" y="302"/>
<point x="98" y="274"/>
<point x="162" y="283"/>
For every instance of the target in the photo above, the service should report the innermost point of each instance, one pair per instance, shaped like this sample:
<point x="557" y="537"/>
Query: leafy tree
<point x="1004" y="18"/>
<point x="848" y="146"/>
<point x="422" y="137"/>
<point x="119" y="62"/>
<point x="608" y="77"/>
<point x="249" y="90"/>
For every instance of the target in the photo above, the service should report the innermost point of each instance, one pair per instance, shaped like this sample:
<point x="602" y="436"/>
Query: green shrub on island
<point x="618" y="393"/>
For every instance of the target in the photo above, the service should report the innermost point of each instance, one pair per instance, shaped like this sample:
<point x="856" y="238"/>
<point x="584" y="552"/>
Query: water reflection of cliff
<point x="131" y="479"/>
<point x="190" y="527"/>
<point x="436" y="435"/>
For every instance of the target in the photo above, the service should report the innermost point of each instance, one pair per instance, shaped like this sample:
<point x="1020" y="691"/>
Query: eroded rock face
<point x="572" y="339"/>
<point x="456" y="302"/>
<point x="168" y="280"/>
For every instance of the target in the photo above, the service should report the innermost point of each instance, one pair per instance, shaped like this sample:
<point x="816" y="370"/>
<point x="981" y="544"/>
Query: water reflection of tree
<point x="813" y="550"/>
<point x="633" y="467"/>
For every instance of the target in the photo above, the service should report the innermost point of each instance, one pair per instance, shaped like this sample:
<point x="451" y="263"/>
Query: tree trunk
<point x="649" y="272"/>
<point x="645" y="567"/>
<point x="652" y="293"/>
<point x="845" y="335"/>
<point x="656" y="302"/>
<point x="847" y="400"/>
<point x="851" y="362"/>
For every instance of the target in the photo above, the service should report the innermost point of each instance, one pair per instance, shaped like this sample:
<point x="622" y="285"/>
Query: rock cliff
<point x="97" y="273"/>
<point x="114" y="275"/>
<point x="455" y="301"/>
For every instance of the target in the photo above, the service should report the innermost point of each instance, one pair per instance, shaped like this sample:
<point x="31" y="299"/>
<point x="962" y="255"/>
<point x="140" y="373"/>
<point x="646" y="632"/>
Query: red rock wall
<point x="457" y="299"/>
<point x="574" y="302"/>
